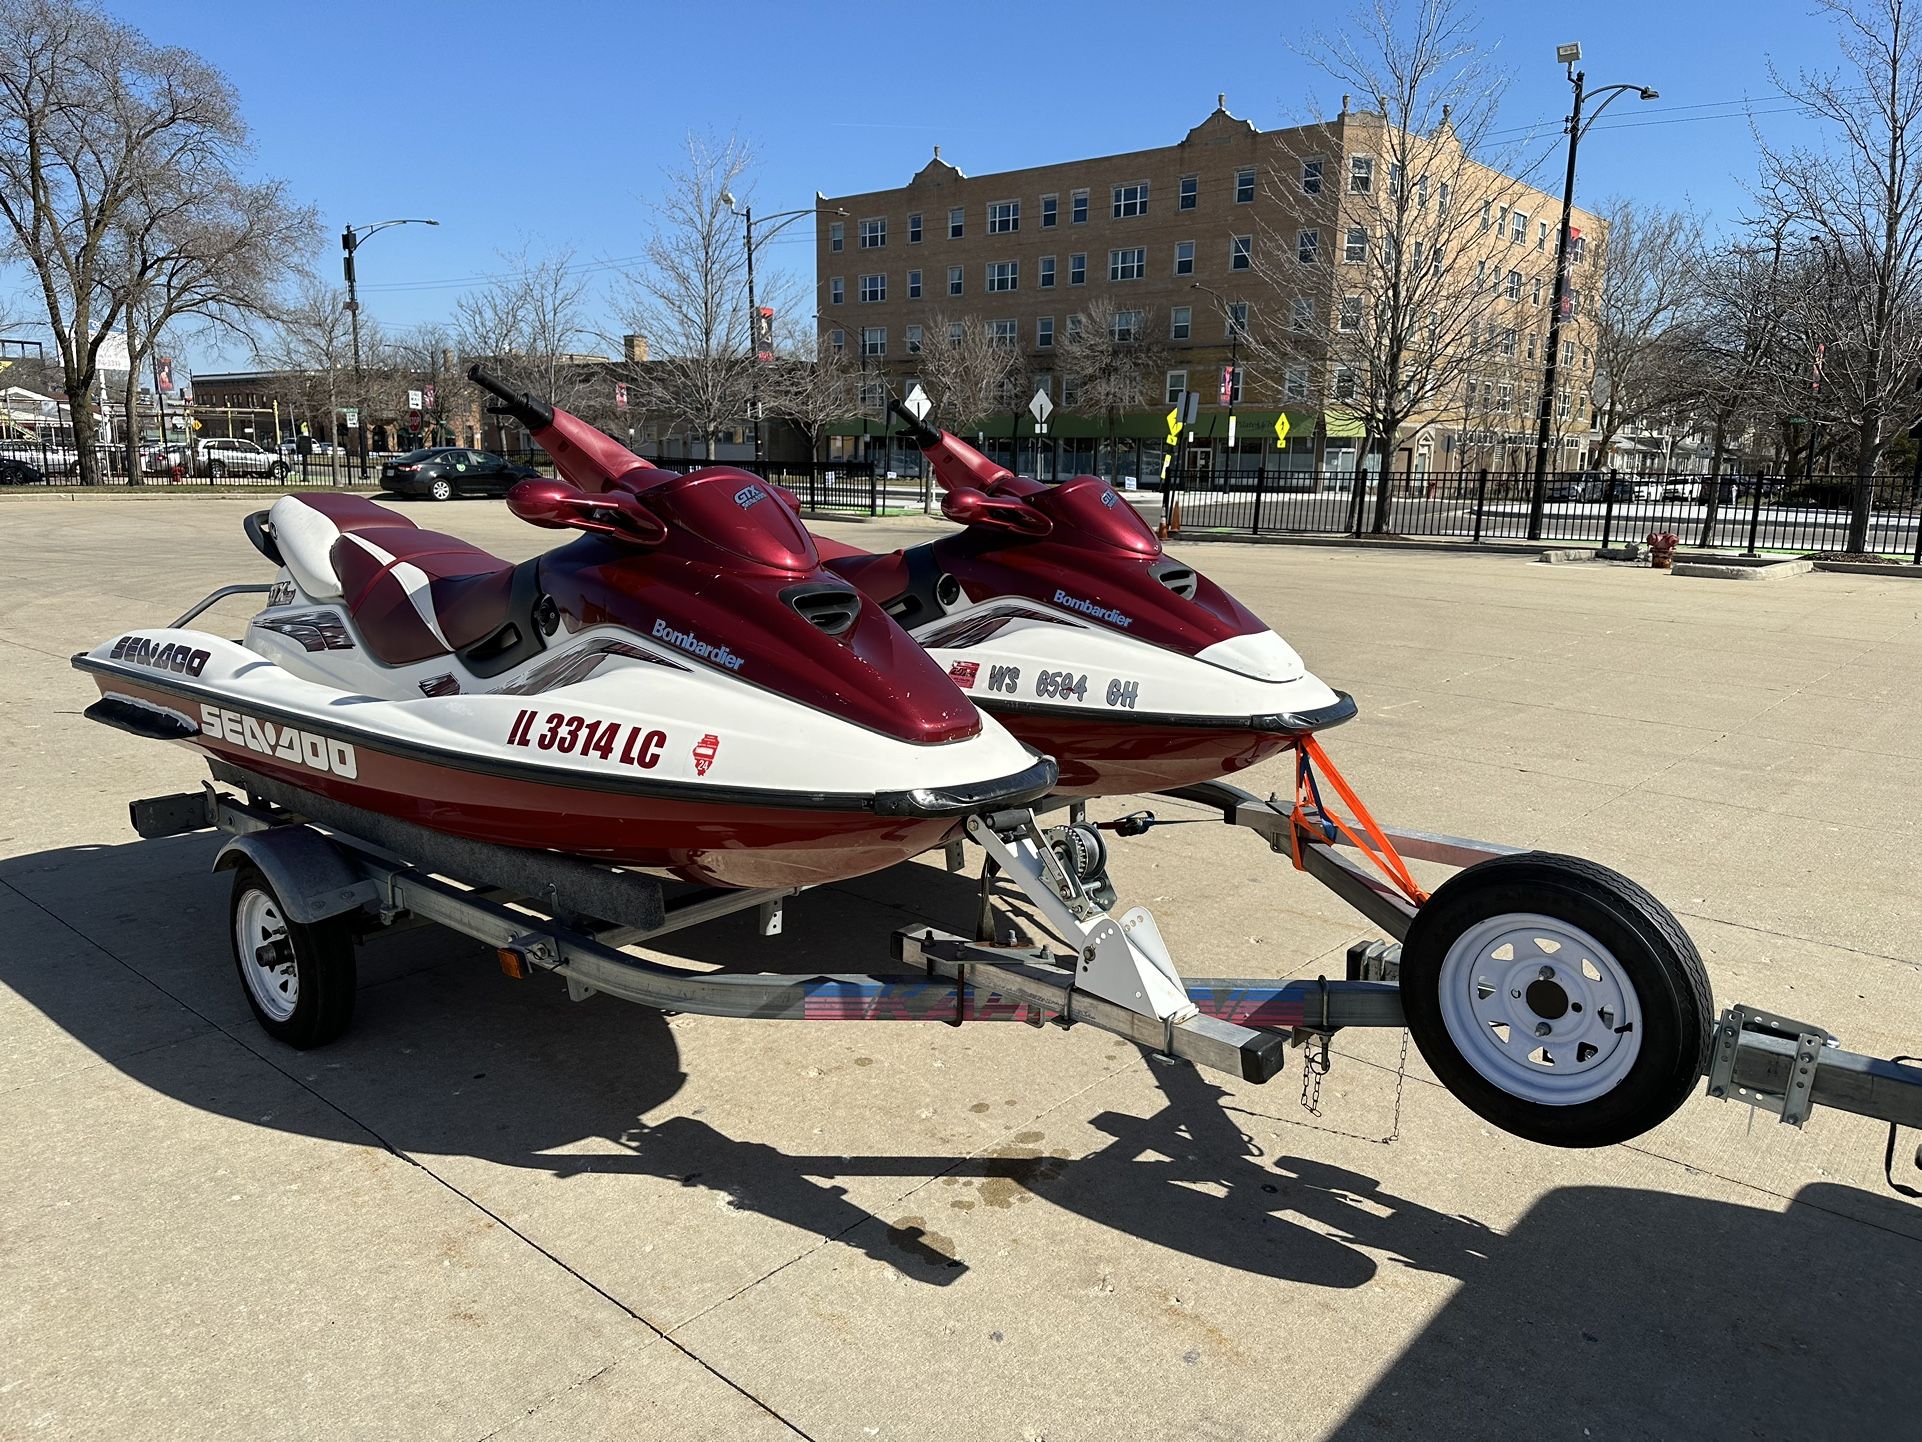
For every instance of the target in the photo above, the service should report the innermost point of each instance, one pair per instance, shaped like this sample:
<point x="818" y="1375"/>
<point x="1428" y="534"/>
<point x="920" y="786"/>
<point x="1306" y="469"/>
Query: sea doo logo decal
<point x="748" y="496"/>
<point x="1090" y="608"/>
<point x="694" y="645"/>
<point x="171" y="657"/>
<point x="964" y="672"/>
<point x="705" y="751"/>
<point x="283" y="743"/>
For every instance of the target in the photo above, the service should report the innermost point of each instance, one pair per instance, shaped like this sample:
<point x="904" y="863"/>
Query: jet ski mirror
<point x="974" y="508"/>
<point x="558" y="506"/>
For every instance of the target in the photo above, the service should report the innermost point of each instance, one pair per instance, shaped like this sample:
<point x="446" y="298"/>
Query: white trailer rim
<point x="1540" y="1008"/>
<point x="274" y="986"/>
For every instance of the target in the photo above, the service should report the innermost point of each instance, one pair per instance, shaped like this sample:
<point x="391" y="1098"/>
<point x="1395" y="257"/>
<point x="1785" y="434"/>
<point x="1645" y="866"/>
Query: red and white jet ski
<point x="682" y="687"/>
<point x="1057" y="610"/>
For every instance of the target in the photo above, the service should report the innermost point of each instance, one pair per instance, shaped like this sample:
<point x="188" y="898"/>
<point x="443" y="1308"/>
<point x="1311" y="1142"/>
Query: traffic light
<point x="764" y="333"/>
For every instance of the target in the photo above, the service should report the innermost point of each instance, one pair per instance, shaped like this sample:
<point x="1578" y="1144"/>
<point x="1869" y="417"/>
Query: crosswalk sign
<point x="1281" y="428"/>
<point x="1174" y="425"/>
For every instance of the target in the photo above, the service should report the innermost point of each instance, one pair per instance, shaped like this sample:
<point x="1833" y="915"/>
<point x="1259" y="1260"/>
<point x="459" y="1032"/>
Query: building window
<point x="874" y="340"/>
<point x="838" y="340"/>
<point x="1301" y="314"/>
<point x="1443" y="194"/>
<point x="957" y="223"/>
<point x="1344" y="383"/>
<point x="1050" y="211"/>
<point x="1361" y="174"/>
<point x="1128" y="263"/>
<point x="1435" y="261"/>
<point x="1350" y="317"/>
<point x="1180" y="322"/>
<point x="1514" y="285"/>
<point x="1541" y="235"/>
<point x="1421" y="191"/>
<point x="837" y="235"/>
<point x="1578" y="249"/>
<point x="1294" y="383"/>
<point x="1234" y="378"/>
<point x="1078" y="207"/>
<point x="1074" y="328"/>
<point x="1237" y="326"/>
<point x="1131" y="200"/>
<point x="914" y="340"/>
<point x="1046" y="281"/>
<point x="1184" y="257"/>
<point x="837" y="291"/>
<point x="1003" y="332"/>
<point x="1504" y="397"/>
<point x="1044" y="333"/>
<point x="914" y="228"/>
<point x="1394" y="179"/>
<point x="954" y="280"/>
<point x="1245" y="186"/>
<point x="1535" y="292"/>
<point x="1077" y="270"/>
<point x="1488" y="209"/>
<point x="1354" y="247"/>
<point x="1311" y="176"/>
<point x="1508" y="341"/>
<point x="1124" y="326"/>
<point x="1004" y="216"/>
<point x="1481" y="274"/>
<point x="1568" y="353"/>
<point x="1003" y="274"/>
<point x="1177" y="383"/>
<point x="956" y="330"/>
<point x="1190" y="191"/>
<point x="1531" y="345"/>
<point x="873" y="288"/>
<point x="914" y="285"/>
<point x="1307" y="245"/>
<point x="1518" y="228"/>
<point x="874" y="234"/>
<point x="1241" y="252"/>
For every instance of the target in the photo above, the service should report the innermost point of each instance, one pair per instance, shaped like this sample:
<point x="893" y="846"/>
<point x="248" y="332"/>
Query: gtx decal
<point x="315" y="630"/>
<point x="578" y="735"/>
<point x="283" y="743"/>
<point x="1093" y="609"/>
<point x="694" y="645"/>
<point x="282" y="594"/>
<point x="169" y="657"/>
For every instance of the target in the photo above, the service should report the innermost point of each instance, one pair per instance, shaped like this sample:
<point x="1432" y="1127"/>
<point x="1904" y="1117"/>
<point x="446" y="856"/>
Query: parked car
<point x="443" y="472"/>
<point x="43" y="457"/>
<point x="1682" y="489"/>
<point x="17" y="472"/>
<point x="223" y="456"/>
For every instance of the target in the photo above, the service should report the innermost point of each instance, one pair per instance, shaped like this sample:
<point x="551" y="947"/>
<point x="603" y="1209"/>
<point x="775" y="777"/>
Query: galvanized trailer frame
<point x="547" y="914"/>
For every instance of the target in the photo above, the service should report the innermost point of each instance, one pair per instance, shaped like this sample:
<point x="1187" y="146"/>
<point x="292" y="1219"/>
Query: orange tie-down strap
<point x="1311" y="815"/>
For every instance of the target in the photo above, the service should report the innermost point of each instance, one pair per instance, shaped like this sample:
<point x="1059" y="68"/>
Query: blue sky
<point x="551" y="123"/>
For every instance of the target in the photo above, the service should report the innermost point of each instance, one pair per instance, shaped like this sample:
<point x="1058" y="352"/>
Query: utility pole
<point x="755" y="351"/>
<point x="351" y="239"/>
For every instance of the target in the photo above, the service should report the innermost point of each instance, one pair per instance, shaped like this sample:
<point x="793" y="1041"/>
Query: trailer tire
<point x="303" y="994"/>
<point x="1597" y="972"/>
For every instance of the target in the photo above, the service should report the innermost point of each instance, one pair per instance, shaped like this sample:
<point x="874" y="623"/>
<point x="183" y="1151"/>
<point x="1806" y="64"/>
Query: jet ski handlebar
<point x="535" y="414"/>
<point x="919" y="431"/>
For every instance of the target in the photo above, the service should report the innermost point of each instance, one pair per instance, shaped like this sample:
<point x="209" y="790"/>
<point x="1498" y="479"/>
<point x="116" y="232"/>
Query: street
<point x="489" y="1212"/>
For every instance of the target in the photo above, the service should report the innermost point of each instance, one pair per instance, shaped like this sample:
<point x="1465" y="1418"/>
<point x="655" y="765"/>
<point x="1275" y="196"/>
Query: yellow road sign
<point x="1173" y="419"/>
<point x="1281" y="428"/>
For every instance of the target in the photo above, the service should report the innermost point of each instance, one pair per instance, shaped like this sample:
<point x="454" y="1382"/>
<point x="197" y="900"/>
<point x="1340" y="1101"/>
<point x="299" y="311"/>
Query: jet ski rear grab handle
<point x="1239" y="1026"/>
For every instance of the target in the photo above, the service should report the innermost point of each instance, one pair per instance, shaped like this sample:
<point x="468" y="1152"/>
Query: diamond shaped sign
<point x="1040" y="407"/>
<point x="917" y="403"/>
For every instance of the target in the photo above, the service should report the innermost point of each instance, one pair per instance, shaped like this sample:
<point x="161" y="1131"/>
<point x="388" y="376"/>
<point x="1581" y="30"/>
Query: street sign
<point x="353" y="418"/>
<point x="1041" y="407"/>
<point x="1174" y="424"/>
<point x="427" y="397"/>
<point x="1190" y="407"/>
<point x="413" y="400"/>
<point x="1231" y="430"/>
<point x="917" y="403"/>
<point x="620" y="395"/>
<point x="1281" y="428"/>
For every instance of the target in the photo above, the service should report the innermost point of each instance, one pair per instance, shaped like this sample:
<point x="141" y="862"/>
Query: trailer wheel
<point x="299" y="979"/>
<point x="1556" y="999"/>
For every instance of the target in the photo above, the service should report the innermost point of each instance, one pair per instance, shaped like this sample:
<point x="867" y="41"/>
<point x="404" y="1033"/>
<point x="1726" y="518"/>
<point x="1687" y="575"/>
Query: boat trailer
<point x="323" y="874"/>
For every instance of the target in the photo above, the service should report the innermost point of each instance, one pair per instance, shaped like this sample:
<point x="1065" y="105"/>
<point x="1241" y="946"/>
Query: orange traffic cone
<point x="1174" y="519"/>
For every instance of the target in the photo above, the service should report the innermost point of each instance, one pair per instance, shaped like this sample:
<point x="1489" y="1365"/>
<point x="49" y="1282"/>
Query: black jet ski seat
<point x="413" y="594"/>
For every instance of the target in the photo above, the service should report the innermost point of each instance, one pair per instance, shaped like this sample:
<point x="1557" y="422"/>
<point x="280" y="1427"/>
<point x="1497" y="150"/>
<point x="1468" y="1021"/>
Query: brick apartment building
<point x="1273" y="224"/>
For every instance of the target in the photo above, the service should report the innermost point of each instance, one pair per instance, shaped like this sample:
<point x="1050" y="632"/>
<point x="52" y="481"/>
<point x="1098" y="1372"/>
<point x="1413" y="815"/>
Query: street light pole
<point x="1234" y="365"/>
<point x="1551" y="364"/>
<point x="351" y="239"/>
<point x="780" y="222"/>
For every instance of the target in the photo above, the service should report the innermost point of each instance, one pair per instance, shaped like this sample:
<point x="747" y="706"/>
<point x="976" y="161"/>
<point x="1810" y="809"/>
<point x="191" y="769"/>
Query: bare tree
<point x="1111" y="361"/>
<point x="90" y="112"/>
<point x="970" y="370"/>
<point x="530" y="324"/>
<point x="1646" y="283"/>
<point x="1739" y="329"/>
<point x="812" y="394"/>
<point x="310" y="348"/>
<point x="1409" y="324"/>
<point x="1858" y="201"/>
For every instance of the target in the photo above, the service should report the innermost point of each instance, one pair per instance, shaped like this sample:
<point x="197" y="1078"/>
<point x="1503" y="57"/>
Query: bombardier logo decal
<point x="1094" y="609"/>
<point x="283" y="743"/>
<point x="694" y="645"/>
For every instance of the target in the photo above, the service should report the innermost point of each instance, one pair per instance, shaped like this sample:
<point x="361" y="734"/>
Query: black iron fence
<point x="1746" y="513"/>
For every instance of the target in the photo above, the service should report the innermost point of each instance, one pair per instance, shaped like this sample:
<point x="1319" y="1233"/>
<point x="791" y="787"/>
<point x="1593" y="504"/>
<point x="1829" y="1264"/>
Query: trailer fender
<point x="313" y="880"/>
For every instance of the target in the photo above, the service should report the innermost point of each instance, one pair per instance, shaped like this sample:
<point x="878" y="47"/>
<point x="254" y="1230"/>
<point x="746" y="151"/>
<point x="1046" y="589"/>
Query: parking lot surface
<point x="492" y="1213"/>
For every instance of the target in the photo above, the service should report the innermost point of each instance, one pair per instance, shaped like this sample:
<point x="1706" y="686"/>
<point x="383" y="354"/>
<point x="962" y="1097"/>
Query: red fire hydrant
<point x="1661" y="549"/>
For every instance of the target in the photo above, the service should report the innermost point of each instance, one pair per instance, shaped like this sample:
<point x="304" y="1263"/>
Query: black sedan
<point x="443" y="472"/>
<point x="16" y="472"/>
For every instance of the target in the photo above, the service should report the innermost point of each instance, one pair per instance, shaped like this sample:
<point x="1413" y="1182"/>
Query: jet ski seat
<point x="413" y="594"/>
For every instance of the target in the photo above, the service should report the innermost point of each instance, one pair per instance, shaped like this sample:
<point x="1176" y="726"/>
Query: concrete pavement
<point x="488" y="1212"/>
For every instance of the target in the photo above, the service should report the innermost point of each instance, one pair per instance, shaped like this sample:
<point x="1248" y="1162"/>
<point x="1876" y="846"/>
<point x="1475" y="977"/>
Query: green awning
<point x="1346" y="425"/>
